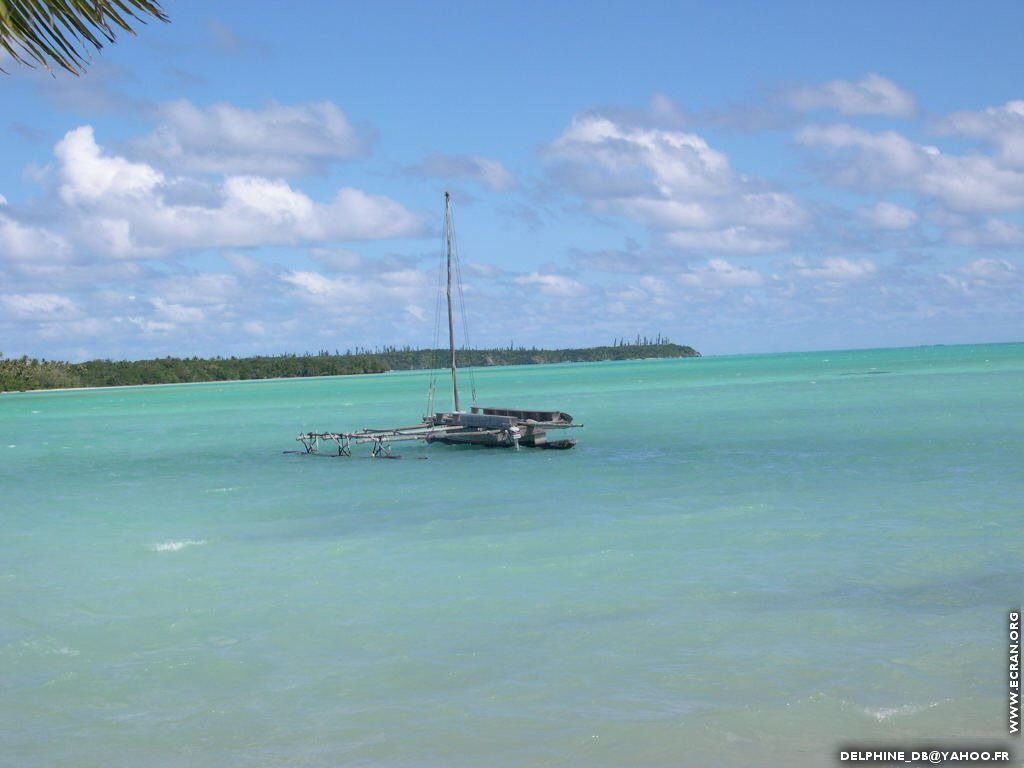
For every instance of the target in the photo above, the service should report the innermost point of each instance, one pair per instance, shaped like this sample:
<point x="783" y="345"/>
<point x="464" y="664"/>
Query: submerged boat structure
<point x="480" y="426"/>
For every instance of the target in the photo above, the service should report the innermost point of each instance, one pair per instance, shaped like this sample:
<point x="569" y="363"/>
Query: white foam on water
<point x="881" y="714"/>
<point x="175" y="546"/>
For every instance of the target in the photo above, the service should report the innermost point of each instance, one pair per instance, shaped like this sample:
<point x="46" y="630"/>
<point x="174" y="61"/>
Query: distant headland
<point x="20" y="374"/>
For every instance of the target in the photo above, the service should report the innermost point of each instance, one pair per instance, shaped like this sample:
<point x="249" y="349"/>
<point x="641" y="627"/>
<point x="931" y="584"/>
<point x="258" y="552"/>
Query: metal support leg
<point x="381" y="447"/>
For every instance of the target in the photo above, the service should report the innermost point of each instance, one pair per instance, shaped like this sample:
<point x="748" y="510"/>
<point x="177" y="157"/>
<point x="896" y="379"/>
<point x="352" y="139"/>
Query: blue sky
<point x="742" y="177"/>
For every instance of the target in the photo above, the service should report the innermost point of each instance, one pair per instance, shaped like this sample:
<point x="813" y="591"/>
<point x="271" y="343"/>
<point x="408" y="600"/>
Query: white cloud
<point x="149" y="327"/>
<point x="992" y="271"/>
<point x="872" y="95"/>
<point x="719" y="273"/>
<point x="674" y="182"/>
<point x="418" y="313"/>
<point x="177" y="313"/>
<point x="1002" y="127"/>
<point x="739" y="239"/>
<point x="887" y="160"/>
<point x="485" y="171"/>
<point x="986" y="275"/>
<point x="276" y="141"/>
<point x="269" y="198"/>
<point x="247" y="267"/>
<point x="355" y="292"/>
<point x="888" y="216"/>
<point x="994" y="232"/>
<point x="89" y="176"/>
<point x="486" y="271"/>
<point x="552" y="285"/>
<point x="833" y="269"/>
<point x="22" y="242"/>
<point x="663" y="162"/>
<point x="131" y="210"/>
<point x="203" y="289"/>
<point x="37" y="306"/>
<point x="883" y="157"/>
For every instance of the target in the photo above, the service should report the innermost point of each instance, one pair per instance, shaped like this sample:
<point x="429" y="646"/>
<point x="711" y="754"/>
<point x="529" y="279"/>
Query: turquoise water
<point x="745" y="561"/>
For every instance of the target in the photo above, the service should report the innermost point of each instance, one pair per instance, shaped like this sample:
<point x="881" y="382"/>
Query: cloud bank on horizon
<point x="855" y="215"/>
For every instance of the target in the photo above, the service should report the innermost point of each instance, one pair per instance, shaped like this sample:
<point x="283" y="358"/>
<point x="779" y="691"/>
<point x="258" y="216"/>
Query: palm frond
<point x="60" y="32"/>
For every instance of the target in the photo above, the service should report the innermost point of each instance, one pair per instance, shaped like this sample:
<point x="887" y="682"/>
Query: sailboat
<point x="481" y="426"/>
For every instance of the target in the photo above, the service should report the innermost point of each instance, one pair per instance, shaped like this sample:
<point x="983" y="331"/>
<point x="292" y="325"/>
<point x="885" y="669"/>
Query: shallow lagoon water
<point x="745" y="561"/>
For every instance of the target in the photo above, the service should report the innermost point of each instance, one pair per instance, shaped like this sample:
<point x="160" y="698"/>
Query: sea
<point x="758" y="560"/>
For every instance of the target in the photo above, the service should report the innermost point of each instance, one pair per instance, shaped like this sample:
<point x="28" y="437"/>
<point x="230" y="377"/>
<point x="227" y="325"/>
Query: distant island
<point x="20" y="374"/>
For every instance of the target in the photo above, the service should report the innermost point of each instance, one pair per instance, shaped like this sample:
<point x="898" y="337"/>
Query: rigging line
<point x="462" y="308"/>
<point x="435" y="362"/>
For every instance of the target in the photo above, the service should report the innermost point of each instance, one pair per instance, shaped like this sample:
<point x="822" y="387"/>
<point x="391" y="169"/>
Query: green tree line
<point x="19" y="374"/>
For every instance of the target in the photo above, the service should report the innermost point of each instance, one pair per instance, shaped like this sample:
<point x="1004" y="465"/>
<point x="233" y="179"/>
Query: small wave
<point x="174" y="546"/>
<point x="882" y="714"/>
<point x="222" y="490"/>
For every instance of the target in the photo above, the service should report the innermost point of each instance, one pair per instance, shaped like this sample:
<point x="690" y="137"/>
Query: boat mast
<point x="451" y="324"/>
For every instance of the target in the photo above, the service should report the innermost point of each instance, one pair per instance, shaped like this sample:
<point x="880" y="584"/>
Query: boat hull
<point x="530" y="438"/>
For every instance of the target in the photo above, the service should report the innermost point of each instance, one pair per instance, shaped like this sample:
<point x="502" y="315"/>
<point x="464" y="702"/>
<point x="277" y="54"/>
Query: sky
<point x="268" y="178"/>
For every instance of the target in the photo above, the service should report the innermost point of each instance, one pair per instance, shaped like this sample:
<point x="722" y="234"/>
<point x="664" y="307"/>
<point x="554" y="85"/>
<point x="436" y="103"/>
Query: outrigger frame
<point x="381" y="439"/>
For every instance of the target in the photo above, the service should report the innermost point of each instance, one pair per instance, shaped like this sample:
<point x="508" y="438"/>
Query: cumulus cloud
<point x="719" y="273"/>
<point x="482" y="170"/>
<point x="177" y="314"/>
<point x="888" y="216"/>
<point x="992" y="271"/>
<point x="88" y="175"/>
<point x="986" y="275"/>
<point x="871" y="95"/>
<point x="888" y="160"/>
<point x="673" y="182"/>
<point x="129" y="209"/>
<point x="738" y="239"/>
<point x="552" y="285"/>
<point x="833" y="269"/>
<point x="344" y="292"/>
<point x="993" y="233"/>
<point x="1001" y="127"/>
<point x="25" y="242"/>
<point x="35" y="306"/>
<point x="276" y="141"/>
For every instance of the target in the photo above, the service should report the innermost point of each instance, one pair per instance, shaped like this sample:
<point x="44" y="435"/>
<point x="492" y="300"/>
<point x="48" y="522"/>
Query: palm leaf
<point x="61" y="32"/>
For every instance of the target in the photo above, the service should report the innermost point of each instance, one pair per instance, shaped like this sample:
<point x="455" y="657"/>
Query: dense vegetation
<point x="404" y="360"/>
<point x="23" y="373"/>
